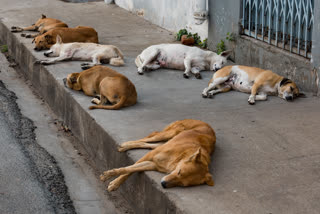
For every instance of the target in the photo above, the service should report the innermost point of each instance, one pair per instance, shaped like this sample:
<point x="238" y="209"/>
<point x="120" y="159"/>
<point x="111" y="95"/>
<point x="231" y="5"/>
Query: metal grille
<point x="283" y="23"/>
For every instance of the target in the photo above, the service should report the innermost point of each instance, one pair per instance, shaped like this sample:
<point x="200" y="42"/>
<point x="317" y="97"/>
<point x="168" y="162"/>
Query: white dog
<point x="181" y="57"/>
<point x="83" y="51"/>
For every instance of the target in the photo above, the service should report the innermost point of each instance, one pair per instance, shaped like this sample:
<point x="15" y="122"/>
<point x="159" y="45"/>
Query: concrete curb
<point x="100" y="146"/>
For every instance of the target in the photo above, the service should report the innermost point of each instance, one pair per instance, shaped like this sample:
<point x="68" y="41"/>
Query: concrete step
<point x="256" y="145"/>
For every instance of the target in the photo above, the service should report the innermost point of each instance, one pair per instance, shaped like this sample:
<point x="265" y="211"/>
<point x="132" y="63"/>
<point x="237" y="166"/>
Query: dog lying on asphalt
<point x="83" y="51"/>
<point x="68" y="35"/>
<point x="111" y="86"/>
<point x="43" y="25"/>
<point x="185" y="157"/>
<point x="180" y="57"/>
<point x="259" y="82"/>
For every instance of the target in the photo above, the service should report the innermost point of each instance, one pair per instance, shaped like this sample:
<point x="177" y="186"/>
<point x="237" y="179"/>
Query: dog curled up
<point x="43" y="25"/>
<point x="83" y="51"/>
<point x="180" y="57"/>
<point x="68" y="35"/>
<point x="258" y="82"/>
<point x="110" y="86"/>
<point x="185" y="157"/>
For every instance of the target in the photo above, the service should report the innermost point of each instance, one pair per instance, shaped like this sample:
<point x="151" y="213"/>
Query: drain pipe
<point x="201" y="12"/>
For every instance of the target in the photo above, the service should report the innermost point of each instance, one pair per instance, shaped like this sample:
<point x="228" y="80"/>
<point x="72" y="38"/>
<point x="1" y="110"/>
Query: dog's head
<point x="190" y="172"/>
<point x="218" y="61"/>
<point x="288" y="90"/>
<point x="71" y="80"/>
<point x="54" y="49"/>
<point x="43" y="42"/>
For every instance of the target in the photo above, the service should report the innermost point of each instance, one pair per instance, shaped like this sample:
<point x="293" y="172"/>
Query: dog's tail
<point x="117" y="61"/>
<point x="113" y="107"/>
<point x="138" y="61"/>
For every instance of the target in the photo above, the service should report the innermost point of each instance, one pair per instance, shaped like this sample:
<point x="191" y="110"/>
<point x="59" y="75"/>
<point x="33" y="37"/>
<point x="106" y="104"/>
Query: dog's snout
<point x="164" y="184"/>
<point x="289" y="98"/>
<point x="46" y="54"/>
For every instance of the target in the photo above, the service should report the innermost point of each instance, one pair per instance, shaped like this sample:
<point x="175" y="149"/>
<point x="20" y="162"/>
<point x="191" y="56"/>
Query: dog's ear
<point x="285" y="81"/>
<point x="196" y="157"/>
<point x="226" y="54"/>
<point x="58" y="39"/>
<point x="43" y="16"/>
<point x="209" y="179"/>
<point x="73" y="79"/>
<point x="48" y="38"/>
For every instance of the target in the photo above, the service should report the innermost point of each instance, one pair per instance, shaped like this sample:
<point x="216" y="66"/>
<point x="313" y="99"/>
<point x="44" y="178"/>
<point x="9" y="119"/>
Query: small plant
<point x="4" y="48"/>
<point x="221" y="47"/>
<point x="181" y="33"/>
<point x="196" y="37"/>
<point x="230" y="37"/>
<point x="204" y="44"/>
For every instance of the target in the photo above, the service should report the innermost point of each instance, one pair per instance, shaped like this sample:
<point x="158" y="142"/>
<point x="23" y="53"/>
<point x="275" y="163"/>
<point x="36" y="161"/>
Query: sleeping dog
<point x="185" y="157"/>
<point x="259" y="82"/>
<point x="111" y="87"/>
<point x="43" y="25"/>
<point x="181" y="57"/>
<point x="83" y="51"/>
<point x="68" y="35"/>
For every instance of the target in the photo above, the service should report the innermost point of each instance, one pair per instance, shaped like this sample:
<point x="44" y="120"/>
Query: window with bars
<point x="286" y="24"/>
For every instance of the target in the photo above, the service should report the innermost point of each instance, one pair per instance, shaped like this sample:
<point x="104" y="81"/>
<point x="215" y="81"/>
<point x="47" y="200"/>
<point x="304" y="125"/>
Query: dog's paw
<point x="251" y="100"/>
<point x="13" y="27"/>
<point x="198" y="76"/>
<point x="210" y="95"/>
<point x="28" y="36"/>
<point x="140" y="73"/>
<point x="121" y="149"/>
<point x="23" y="35"/>
<point x="95" y="101"/>
<point x="37" y="62"/>
<point x="113" y="185"/>
<point x="185" y="75"/>
<point x="44" y="62"/>
<point x="85" y="67"/>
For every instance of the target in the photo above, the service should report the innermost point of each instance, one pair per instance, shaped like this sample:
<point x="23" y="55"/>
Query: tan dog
<point x="43" y="25"/>
<point x="68" y="35"/>
<point x="185" y="157"/>
<point x="259" y="82"/>
<point x="111" y="86"/>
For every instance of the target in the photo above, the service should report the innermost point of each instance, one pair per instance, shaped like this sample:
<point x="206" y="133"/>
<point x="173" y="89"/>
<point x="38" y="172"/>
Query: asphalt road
<point x="30" y="180"/>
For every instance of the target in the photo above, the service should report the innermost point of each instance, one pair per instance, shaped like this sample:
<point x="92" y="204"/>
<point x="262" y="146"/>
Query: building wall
<point x="172" y="15"/>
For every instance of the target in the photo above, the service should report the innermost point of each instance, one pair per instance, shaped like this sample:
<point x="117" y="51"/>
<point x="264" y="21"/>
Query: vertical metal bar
<point x="249" y="8"/>
<point x="291" y="5"/>
<point x="284" y="17"/>
<point x="263" y="15"/>
<point x="299" y="15"/>
<point x="256" y="18"/>
<point x="243" y="12"/>
<point x="270" y="18"/>
<point x="277" y="20"/>
<point x="306" y="27"/>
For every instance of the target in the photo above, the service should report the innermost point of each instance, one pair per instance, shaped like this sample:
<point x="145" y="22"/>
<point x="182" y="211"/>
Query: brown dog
<point x="111" y="86"/>
<point x="43" y="25"/>
<point x="68" y="35"/>
<point x="185" y="157"/>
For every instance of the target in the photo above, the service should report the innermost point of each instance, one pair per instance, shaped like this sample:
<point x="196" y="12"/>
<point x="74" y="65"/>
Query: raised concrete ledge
<point x="101" y="148"/>
<point x="266" y="158"/>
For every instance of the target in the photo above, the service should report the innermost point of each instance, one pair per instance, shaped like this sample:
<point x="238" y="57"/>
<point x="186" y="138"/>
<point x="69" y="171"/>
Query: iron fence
<point x="283" y="23"/>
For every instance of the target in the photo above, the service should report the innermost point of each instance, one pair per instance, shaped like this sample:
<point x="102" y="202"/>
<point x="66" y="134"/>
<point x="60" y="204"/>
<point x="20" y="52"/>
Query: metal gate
<point x="283" y="23"/>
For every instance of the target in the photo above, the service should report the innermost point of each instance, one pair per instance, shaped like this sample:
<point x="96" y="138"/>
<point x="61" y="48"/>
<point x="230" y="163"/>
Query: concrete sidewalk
<point x="267" y="155"/>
